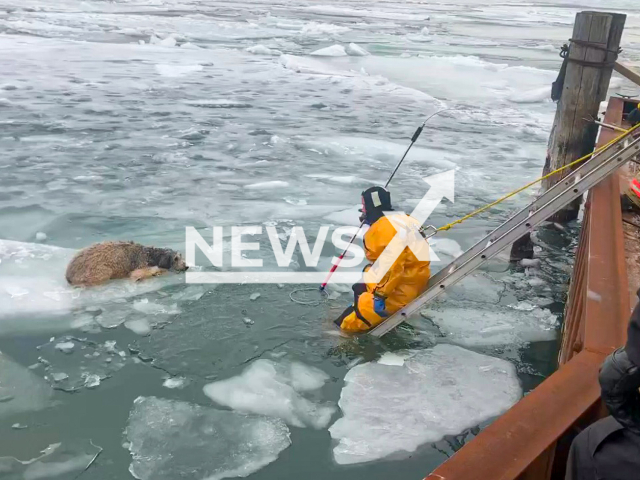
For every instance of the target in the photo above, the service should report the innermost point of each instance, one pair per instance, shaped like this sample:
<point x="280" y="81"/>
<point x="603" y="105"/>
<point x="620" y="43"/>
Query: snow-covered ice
<point x="275" y="389"/>
<point x="396" y="408"/>
<point x="171" y="439"/>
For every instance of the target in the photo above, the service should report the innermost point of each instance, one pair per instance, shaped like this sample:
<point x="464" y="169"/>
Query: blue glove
<point x="380" y="307"/>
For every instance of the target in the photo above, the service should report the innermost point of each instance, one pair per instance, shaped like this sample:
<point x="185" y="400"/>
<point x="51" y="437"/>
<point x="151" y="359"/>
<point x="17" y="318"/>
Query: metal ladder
<point x="589" y="174"/>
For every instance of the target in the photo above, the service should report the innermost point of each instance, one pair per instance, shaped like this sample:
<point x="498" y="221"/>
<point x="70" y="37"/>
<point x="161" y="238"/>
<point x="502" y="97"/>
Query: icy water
<point x="131" y="120"/>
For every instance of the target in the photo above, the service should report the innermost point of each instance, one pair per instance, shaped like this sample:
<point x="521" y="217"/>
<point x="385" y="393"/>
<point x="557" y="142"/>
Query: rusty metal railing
<point x="530" y="441"/>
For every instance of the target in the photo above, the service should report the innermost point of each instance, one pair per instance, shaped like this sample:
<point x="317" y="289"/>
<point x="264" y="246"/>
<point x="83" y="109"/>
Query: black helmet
<point x="375" y="201"/>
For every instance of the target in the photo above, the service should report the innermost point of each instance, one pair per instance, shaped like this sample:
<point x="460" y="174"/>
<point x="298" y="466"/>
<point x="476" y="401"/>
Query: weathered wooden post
<point x="592" y="52"/>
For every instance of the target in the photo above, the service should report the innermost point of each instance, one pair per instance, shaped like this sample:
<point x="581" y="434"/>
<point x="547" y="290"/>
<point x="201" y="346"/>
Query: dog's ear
<point x="165" y="261"/>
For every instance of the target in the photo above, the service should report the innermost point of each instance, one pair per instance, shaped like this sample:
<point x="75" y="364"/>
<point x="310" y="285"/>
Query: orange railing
<point x="531" y="440"/>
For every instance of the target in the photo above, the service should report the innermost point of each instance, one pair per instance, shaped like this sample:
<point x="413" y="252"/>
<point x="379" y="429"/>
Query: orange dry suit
<point x="405" y="280"/>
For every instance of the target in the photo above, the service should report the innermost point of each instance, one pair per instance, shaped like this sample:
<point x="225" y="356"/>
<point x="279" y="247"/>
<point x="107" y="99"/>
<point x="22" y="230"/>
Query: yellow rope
<point x="515" y="192"/>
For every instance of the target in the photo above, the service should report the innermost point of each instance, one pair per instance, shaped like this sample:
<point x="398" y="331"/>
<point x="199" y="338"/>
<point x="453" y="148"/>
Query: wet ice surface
<point x="396" y="408"/>
<point x="131" y="120"/>
<point x="171" y="439"/>
<point x="275" y="389"/>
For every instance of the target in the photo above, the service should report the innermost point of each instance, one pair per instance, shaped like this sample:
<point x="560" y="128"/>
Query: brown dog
<point x="111" y="260"/>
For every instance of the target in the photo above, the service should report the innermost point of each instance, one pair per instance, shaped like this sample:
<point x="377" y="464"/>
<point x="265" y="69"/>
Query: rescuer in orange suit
<point x="406" y="278"/>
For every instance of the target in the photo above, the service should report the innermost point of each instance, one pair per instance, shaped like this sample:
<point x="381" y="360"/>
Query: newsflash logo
<point x="248" y="270"/>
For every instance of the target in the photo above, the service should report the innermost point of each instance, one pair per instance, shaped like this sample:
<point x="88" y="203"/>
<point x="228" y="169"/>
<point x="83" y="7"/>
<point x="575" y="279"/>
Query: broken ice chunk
<point x="474" y="325"/>
<point x="356" y="50"/>
<point x="92" y="363"/>
<point x="441" y="391"/>
<point x="175" y="382"/>
<point x="152" y="308"/>
<point x="58" y="461"/>
<point x="169" y="439"/>
<point x="59" y="376"/>
<point x="20" y="389"/>
<point x="140" y="326"/>
<point x="273" y="389"/>
<point x="91" y="380"/>
<point x="254" y="296"/>
<point x="65" y="347"/>
<point x="191" y="293"/>
<point x="391" y="358"/>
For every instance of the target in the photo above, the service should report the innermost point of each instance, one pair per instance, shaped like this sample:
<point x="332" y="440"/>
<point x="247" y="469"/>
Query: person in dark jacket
<point x="610" y="448"/>
<point x="634" y="116"/>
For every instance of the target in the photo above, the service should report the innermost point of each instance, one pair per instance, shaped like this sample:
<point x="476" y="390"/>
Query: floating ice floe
<point x="356" y="50"/>
<point x="20" y="389"/>
<point x="471" y="324"/>
<point x="141" y="326"/>
<point x="33" y="289"/>
<point x="152" y="308"/>
<point x="275" y="389"/>
<point x="169" y="41"/>
<point x="262" y="50"/>
<point x="477" y="287"/>
<point x="89" y="364"/>
<point x="332" y="51"/>
<point x="394" y="408"/>
<point x="447" y="246"/>
<point x="175" y="382"/>
<point x="320" y="29"/>
<point x="58" y="461"/>
<point x="169" y="439"/>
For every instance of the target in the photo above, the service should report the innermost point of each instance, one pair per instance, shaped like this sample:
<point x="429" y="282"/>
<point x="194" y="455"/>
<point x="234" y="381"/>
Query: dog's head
<point x="172" y="260"/>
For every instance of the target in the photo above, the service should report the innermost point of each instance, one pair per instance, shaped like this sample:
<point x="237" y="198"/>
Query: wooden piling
<point x="592" y="54"/>
<point x="593" y="51"/>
